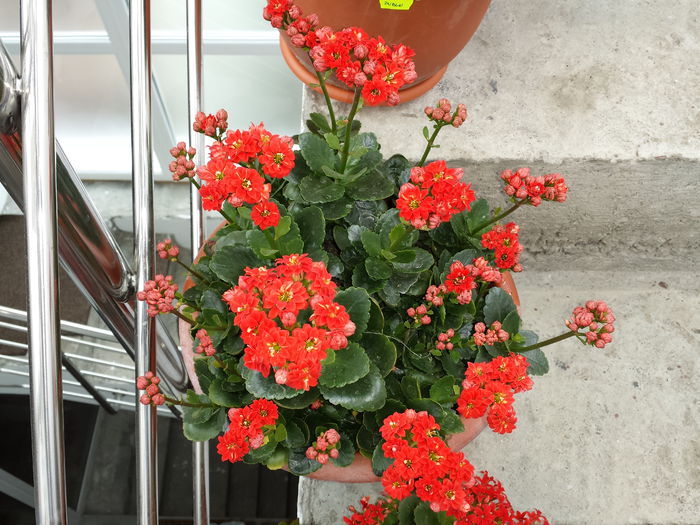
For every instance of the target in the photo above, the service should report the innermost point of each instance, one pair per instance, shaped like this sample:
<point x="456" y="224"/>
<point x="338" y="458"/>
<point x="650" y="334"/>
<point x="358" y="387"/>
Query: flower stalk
<point x="348" y="129"/>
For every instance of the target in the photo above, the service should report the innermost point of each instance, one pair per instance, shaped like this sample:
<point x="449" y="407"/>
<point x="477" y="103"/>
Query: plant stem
<point x="429" y="146"/>
<point x="195" y="183"/>
<point x="191" y="270"/>
<point x="331" y="113"/>
<point x="226" y="216"/>
<point x="501" y="216"/>
<point x="174" y="401"/>
<point x="546" y="342"/>
<point x="348" y="129"/>
<point x="270" y="238"/>
<point x="184" y="317"/>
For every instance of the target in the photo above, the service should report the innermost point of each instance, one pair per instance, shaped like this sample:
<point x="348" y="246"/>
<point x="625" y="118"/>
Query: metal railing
<point x="63" y="223"/>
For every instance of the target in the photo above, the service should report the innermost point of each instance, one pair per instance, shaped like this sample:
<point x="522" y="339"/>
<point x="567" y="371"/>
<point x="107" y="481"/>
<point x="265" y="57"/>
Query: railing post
<point x="146" y="441"/>
<point x="42" y="262"/>
<point x="200" y="449"/>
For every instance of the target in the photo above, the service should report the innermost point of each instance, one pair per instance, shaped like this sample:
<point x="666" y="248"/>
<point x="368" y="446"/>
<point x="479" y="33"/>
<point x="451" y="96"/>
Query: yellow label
<point x="401" y="5"/>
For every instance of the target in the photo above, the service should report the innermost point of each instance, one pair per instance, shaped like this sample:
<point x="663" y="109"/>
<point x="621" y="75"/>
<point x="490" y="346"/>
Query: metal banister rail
<point x="61" y="220"/>
<point x="144" y="247"/>
<point x="38" y="142"/>
<point x="200" y="449"/>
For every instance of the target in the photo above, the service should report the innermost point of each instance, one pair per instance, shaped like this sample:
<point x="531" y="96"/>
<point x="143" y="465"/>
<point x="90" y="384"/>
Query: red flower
<point x="265" y="214"/>
<point x="375" y="91"/>
<point x="277" y="157"/>
<point x="232" y="447"/>
<point x="473" y="402"/>
<point x="506" y="245"/>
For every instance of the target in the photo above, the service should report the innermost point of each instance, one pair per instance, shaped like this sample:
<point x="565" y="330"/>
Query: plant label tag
<point x="400" y="5"/>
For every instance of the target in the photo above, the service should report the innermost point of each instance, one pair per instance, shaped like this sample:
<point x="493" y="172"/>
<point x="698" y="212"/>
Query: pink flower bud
<point x="322" y="458"/>
<point x="334" y="453"/>
<point x="425" y="319"/>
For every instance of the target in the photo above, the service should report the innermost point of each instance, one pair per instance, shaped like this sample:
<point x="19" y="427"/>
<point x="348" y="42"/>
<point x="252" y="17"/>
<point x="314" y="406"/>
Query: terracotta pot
<point x="436" y="29"/>
<point x="360" y="471"/>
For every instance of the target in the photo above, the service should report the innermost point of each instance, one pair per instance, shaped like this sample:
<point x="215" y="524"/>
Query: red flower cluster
<point x="182" y="166"/>
<point x="158" y="294"/>
<point x="462" y="278"/>
<point x="494" y="334"/>
<point x="490" y="387"/>
<point x="490" y="505"/>
<point x="442" y="113"/>
<point x="149" y="382"/>
<point x="371" y="513"/>
<point x="424" y="463"/>
<point x="205" y="345"/>
<point x="247" y="429"/>
<point x="421" y="315"/>
<point x="434" y="195"/>
<point x="505" y="242"/>
<point x="167" y="250"/>
<point x="211" y="125"/>
<point x="327" y="445"/>
<point x="357" y="60"/>
<point x="598" y="318"/>
<point x="228" y="175"/>
<point x="521" y="185"/>
<point x="264" y="295"/>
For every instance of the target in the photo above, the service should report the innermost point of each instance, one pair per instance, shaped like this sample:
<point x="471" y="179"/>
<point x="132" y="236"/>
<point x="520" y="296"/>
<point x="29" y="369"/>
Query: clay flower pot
<point x="437" y="30"/>
<point x="360" y="470"/>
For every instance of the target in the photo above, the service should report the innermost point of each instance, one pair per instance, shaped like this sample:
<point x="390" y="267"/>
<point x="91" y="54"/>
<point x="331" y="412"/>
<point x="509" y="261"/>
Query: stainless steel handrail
<point x="144" y="247"/>
<point x="200" y="449"/>
<point x="46" y="390"/>
<point x="88" y="252"/>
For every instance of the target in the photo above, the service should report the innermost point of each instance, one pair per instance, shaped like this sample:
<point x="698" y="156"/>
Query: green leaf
<point x="406" y="509"/>
<point x="301" y="400"/>
<point x="316" y="152"/>
<point x="497" y="306"/>
<point x="261" y="386"/>
<point x="356" y="303"/>
<point x="371" y="187"/>
<point x="312" y="226"/>
<point x="317" y="189"/>
<point x="366" y="394"/>
<point x="297" y="434"/>
<point x="404" y="256"/>
<point x="347" y="453"/>
<point x="410" y="388"/>
<point x="451" y="423"/>
<point x="229" y="262"/>
<point x="381" y="351"/>
<point x="220" y="396"/>
<point x="361" y="279"/>
<point x="343" y="178"/>
<point x="538" y="362"/>
<point x="423" y="261"/>
<point x="379" y="461"/>
<point x="350" y="364"/>
<point x="206" y="430"/>
<point x="260" y="244"/>
<point x="442" y="391"/>
<point x="321" y="121"/>
<point x="426" y="133"/>
<point x="424" y="515"/>
<point x="377" y="269"/>
<point x="335" y="210"/>
<point x="371" y="243"/>
<point x="332" y="140"/>
<point x="478" y="214"/>
<point x="376" y="317"/>
<point x="511" y="323"/>
<point x="300" y="465"/>
<point x="283" y="227"/>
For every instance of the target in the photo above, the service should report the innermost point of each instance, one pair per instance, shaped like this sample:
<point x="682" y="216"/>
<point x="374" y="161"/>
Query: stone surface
<point x="607" y="437"/>
<point x="568" y="79"/>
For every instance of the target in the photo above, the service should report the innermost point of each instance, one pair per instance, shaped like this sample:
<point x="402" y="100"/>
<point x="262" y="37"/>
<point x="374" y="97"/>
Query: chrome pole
<point x="144" y="249"/>
<point x="42" y="262"/>
<point x="200" y="449"/>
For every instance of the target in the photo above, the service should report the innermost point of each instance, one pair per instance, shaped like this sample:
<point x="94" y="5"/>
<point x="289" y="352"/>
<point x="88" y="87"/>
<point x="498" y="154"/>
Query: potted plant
<point x="355" y="317"/>
<point x="436" y="29"/>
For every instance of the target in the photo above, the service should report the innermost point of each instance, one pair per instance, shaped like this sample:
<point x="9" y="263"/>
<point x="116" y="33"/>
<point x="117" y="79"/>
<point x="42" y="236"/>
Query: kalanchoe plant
<point x="352" y="303"/>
